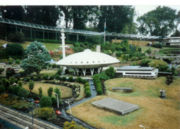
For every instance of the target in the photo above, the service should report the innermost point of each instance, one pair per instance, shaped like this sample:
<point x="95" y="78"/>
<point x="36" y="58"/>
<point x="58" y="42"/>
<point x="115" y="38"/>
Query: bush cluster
<point x="87" y="90"/>
<point x="14" y="50"/>
<point x="72" y="125"/>
<point x="16" y="37"/>
<point x="19" y="91"/>
<point x="97" y="83"/>
<point x="45" y="113"/>
<point x="45" y="101"/>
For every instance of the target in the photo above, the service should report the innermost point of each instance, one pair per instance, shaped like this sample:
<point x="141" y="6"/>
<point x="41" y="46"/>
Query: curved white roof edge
<point x="88" y="58"/>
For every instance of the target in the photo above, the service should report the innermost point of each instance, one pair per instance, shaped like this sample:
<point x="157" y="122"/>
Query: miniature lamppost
<point x="162" y="94"/>
<point x="36" y="102"/>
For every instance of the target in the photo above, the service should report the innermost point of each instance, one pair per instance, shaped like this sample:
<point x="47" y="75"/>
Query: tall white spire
<point x="63" y="43"/>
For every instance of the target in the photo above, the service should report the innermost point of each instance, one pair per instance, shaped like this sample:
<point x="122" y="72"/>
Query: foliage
<point x="10" y="60"/>
<point x="2" y="89"/>
<point x="145" y="62"/>
<point x="157" y="45"/>
<point x="45" y="101"/>
<point x="58" y="93"/>
<point x="97" y="83"/>
<point x="169" y="79"/>
<point x="45" y="113"/>
<point x="31" y="86"/>
<point x="22" y="92"/>
<point x="87" y="90"/>
<point x="70" y="79"/>
<point x="40" y="92"/>
<point x="50" y="91"/>
<point x="110" y="72"/>
<point x="10" y="72"/>
<point x="115" y="22"/>
<point x="59" y="72"/>
<point x="161" y="65"/>
<point x="16" y="37"/>
<point x="1" y="70"/>
<point x="72" y="125"/>
<point x="159" y="22"/>
<point x="36" y="58"/>
<point x="149" y="51"/>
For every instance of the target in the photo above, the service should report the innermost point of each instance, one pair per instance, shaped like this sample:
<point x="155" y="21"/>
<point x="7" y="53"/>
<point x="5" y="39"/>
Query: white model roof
<point x="88" y="59"/>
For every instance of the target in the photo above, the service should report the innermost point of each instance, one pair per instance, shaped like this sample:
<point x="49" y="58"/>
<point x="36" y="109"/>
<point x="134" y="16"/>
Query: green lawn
<point x="65" y="91"/>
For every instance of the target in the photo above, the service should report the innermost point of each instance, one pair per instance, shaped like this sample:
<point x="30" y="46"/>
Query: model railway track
<point x="23" y="120"/>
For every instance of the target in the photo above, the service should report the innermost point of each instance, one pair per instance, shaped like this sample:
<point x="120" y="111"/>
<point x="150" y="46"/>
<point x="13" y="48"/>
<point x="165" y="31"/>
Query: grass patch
<point x="66" y="92"/>
<point x="121" y="120"/>
<point x="49" y="72"/>
<point x="154" y="112"/>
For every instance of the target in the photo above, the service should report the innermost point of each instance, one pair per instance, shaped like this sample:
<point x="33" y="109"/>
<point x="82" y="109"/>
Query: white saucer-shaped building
<point x="87" y="62"/>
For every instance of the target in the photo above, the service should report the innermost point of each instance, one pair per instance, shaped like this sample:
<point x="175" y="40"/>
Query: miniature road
<point x="21" y="120"/>
<point x="93" y="94"/>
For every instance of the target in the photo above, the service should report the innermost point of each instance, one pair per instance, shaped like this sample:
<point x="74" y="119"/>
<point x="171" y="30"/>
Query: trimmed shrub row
<point x="87" y="90"/>
<point x="97" y="83"/>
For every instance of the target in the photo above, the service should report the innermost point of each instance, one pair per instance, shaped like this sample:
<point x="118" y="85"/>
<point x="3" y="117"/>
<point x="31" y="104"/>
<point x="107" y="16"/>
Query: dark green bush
<point x="50" y="91"/>
<point x="16" y="37"/>
<point x="15" y="50"/>
<point x="87" y="90"/>
<point x="1" y="70"/>
<point x="2" y="89"/>
<point x="70" y="79"/>
<point x="97" y="83"/>
<point x="10" y="72"/>
<point x="45" y="101"/>
<point x="45" y="113"/>
<point x="14" y="89"/>
<point x="23" y="92"/>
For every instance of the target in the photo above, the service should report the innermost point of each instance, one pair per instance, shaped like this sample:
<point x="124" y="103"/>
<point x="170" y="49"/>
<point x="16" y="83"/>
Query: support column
<point x="84" y="72"/>
<point x="77" y="38"/>
<point x="92" y="71"/>
<point x="99" y="70"/>
<point x="77" y="71"/>
<point x="63" y="43"/>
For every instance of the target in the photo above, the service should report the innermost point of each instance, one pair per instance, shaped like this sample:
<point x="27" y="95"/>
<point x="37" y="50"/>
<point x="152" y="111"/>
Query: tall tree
<point x="158" y="22"/>
<point x="37" y="57"/>
<point x="46" y="15"/>
<point x="116" y="17"/>
<point x="78" y="16"/>
<point x="13" y="12"/>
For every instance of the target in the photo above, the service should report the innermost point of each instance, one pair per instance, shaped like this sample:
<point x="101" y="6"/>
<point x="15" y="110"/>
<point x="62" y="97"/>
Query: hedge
<point x="87" y="90"/>
<point x="97" y="83"/>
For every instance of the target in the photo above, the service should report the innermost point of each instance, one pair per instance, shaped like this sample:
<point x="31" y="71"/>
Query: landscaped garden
<point x="154" y="112"/>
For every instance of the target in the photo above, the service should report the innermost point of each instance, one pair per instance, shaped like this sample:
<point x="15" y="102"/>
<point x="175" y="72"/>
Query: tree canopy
<point x="36" y="58"/>
<point x="158" y="22"/>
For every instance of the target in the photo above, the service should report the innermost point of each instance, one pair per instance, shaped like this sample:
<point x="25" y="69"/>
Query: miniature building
<point x="87" y="62"/>
<point x="137" y="71"/>
<point x="172" y="41"/>
<point x="115" y="105"/>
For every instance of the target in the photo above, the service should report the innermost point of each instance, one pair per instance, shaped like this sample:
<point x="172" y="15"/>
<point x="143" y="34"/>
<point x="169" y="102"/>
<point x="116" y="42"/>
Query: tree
<point x="110" y="72"/>
<point x="78" y="16"/>
<point x="161" y="65"/>
<point x="45" y="101"/>
<point x="40" y="92"/>
<point x="50" y="91"/>
<point x="45" y="15"/>
<point x="23" y="92"/>
<point x="31" y="86"/>
<point x="159" y="22"/>
<point x="15" y="50"/>
<point x="58" y="93"/>
<point x="116" y="18"/>
<point x="36" y="59"/>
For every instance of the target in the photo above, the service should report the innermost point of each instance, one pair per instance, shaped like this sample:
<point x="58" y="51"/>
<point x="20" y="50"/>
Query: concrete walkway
<point x="22" y="120"/>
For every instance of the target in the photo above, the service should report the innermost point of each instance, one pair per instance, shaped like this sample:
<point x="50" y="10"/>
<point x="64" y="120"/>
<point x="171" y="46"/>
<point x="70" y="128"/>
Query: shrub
<point x="15" y="50"/>
<point x="45" y="77"/>
<point x="23" y="92"/>
<point x="1" y="70"/>
<point x="10" y="60"/>
<point x="64" y="78"/>
<point x="87" y="90"/>
<point x="98" y="85"/>
<point x="2" y="89"/>
<point x="45" y="113"/>
<point x="70" y="79"/>
<point x="50" y="91"/>
<point x="17" y="61"/>
<point x="45" y="101"/>
<point x="40" y="92"/>
<point x="58" y="92"/>
<point x="72" y="125"/>
<point x="110" y="72"/>
<point x="14" y="89"/>
<point x="161" y="65"/>
<point x="157" y="45"/>
<point x="16" y="37"/>
<point x="59" y="72"/>
<point x="10" y="72"/>
<point x="31" y="86"/>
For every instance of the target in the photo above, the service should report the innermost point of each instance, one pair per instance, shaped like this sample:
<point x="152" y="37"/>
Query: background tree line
<point x="161" y="21"/>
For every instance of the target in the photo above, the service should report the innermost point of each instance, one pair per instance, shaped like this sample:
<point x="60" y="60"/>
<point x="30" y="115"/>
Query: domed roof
<point x="88" y="59"/>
